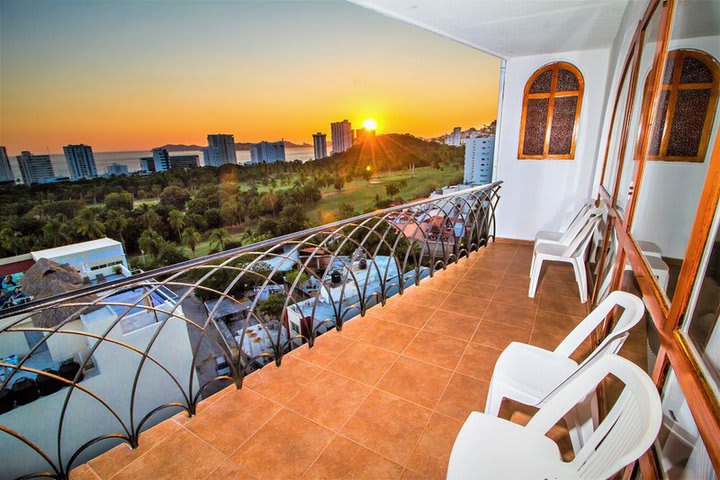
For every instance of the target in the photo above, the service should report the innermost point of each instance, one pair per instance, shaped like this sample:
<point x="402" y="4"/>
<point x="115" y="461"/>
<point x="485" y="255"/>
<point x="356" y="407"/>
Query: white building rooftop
<point x="75" y="248"/>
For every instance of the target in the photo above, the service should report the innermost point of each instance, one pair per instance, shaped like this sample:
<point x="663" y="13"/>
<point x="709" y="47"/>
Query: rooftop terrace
<point x="383" y="398"/>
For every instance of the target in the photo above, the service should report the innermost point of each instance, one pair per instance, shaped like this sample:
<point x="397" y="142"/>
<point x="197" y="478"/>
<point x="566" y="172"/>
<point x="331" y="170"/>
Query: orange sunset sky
<point x="136" y="74"/>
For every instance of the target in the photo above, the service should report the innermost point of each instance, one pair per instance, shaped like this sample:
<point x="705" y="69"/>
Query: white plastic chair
<point x="567" y="234"/>
<point x="530" y="375"/>
<point x="573" y="253"/>
<point x="491" y="447"/>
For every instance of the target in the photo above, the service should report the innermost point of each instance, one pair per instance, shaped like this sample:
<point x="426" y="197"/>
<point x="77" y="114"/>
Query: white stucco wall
<point x="539" y="194"/>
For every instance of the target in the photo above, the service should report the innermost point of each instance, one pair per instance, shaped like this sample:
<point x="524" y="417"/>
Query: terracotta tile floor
<point x="384" y="398"/>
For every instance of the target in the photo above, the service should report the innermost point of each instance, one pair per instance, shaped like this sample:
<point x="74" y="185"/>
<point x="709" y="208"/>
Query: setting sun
<point x="370" y="124"/>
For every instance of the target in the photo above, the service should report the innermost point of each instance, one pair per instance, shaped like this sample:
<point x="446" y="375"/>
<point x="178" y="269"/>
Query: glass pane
<point x="567" y="81"/>
<point x="681" y="451"/>
<point x="542" y="82"/>
<point x="563" y="122"/>
<point x="614" y="141"/>
<point x="659" y="122"/>
<point x="535" y="126"/>
<point x="687" y="124"/>
<point x="668" y="198"/>
<point x="695" y="71"/>
<point x="704" y="311"/>
<point x="647" y="56"/>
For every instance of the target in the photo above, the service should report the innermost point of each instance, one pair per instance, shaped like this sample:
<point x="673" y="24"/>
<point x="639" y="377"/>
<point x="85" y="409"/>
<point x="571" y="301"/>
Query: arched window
<point x="686" y="107"/>
<point x="550" y="112"/>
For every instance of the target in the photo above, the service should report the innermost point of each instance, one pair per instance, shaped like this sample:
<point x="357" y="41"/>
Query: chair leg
<point x="535" y="276"/>
<point x="532" y="263"/>
<point x="493" y="402"/>
<point x="581" y="278"/>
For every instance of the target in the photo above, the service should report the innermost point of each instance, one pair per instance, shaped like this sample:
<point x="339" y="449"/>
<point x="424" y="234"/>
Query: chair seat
<point x="530" y="373"/>
<point x="548" y="236"/>
<point x="490" y="447"/>
<point x="551" y="250"/>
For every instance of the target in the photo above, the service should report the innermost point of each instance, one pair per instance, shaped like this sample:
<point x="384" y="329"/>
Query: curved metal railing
<point x="99" y="364"/>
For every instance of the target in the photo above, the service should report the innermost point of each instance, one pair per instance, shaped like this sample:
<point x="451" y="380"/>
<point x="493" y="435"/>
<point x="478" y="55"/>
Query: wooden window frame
<point x="666" y="315"/>
<point x="555" y="67"/>
<point x="678" y="56"/>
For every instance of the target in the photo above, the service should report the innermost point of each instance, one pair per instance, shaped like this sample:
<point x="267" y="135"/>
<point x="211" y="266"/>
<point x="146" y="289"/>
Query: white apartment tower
<point x="455" y="137"/>
<point x="220" y="150"/>
<point x="35" y="168"/>
<point x="6" y="173"/>
<point x="267" y="152"/>
<point x="81" y="161"/>
<point x="342" y="136"/>
<point x="320" y="145"/>
<point x="479" y="154"/>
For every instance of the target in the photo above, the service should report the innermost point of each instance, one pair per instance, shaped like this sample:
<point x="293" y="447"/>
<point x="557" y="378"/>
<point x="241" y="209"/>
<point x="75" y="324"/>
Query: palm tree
<point x="10" y="239"/>
<point x="218" y="238"/>
<point x="88" y="225"/>
<point x="176" y="220"/>
<point x="190" y="238"/>
<point x="53" y="232"/>
<point x="117" y="222"/>
<point x="150" y="218"/>
<point x="150" y="242"/>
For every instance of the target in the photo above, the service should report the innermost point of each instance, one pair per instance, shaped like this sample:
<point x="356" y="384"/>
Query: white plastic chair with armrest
<point x="492" y="447"/>
<point x="531" y="375"/>
<point x="573" y="253"/>
<point x="566" y="235"/>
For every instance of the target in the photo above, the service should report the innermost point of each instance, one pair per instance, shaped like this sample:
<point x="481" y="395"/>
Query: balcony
<point x="383" y="398"/>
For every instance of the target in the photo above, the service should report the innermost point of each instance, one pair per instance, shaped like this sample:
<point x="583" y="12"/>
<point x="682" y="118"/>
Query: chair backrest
<point x="627" y="431"/>
<point x="633" y="311"/>
<point x="582" y="238"/>
<point x="579" y="213"/>
<point x="578" y="223"/>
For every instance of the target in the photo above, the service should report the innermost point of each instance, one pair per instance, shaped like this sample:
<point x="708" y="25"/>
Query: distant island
<point x="238" y="146"/>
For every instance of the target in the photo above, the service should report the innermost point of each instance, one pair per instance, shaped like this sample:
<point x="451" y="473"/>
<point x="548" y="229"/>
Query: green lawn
<point x="148" y="201"/>
<point x="361" y="194"/>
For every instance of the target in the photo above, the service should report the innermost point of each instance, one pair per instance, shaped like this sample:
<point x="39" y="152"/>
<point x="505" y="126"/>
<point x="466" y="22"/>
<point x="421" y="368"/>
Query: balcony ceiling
<point x="512" y="28"/>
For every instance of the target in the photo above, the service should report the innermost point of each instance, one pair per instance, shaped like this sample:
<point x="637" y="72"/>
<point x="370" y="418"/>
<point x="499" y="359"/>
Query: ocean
<point x="132" y="159"/>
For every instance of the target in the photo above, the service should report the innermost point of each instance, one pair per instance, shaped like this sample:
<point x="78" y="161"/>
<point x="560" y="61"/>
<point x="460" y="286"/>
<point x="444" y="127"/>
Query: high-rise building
<point x="455" y="137"/>
<point x="117" y="169"/>
<point x="342" y="136"/>
<point x="6" y="173"/>
<point x="220" y="150"/>
<point x="35" y="168"/>
<point x="81" y="161"/>
<point x="479" y="154"/>
<point x="162" y="161"/>
<point x="267" y="152"/>
<point x="320" y="145"/>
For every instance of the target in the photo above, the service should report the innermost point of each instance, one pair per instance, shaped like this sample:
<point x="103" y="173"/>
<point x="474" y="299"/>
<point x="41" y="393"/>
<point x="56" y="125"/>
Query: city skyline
<point x="68" y="77"/>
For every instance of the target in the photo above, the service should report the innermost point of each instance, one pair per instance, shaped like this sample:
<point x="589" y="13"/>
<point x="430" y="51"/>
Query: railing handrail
<point x="151" y="274"/>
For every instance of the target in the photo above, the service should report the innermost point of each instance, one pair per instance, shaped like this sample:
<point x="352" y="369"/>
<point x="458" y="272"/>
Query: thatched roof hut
<point x="47" y="279"/>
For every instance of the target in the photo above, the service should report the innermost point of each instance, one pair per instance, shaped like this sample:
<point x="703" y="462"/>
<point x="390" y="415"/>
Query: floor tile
<point x="440" y="281"/>
<point x="500" y="335"/>
<point x="282" y="383"/>
<point x="436" y="349"/>
<point x="463" y="395"/>
<point x="483" y="291"/>
<point x="432" y="453"/>
<point x="387" y="425"/>
<point x="478" y="361"/>
<point x="229" y="469"/>
<point x="514" y="296"/>
<point x="363" y="362"/>
<point x="182" y="455"/>
<point x="519" y="281"/>
<point x="84" y="472"/>
<point x="388" y="335"/>
<point x="452" y="324"/>
<point x="284" y="448"/>
<point x="422" y="297"/>
<point x="416" y="381"/>
<point x="561" y="304"/>
<point x="568" y="289"/>
<point x="233" y="419"/>
<point x="463" y="304"/>
<point x="493" y="277"/>
<point x="120" y="456"/>
<point x="413" y="317"/>
<point x="555" y="322"/>
<point x="345" y="459"/>
<point x="326" y="348"/>
<point x="330" y="399"/>
<point x="510" y="314"/>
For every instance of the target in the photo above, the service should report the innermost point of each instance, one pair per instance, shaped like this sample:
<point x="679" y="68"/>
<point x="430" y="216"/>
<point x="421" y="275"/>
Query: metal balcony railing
<point x="94" y="367"/>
